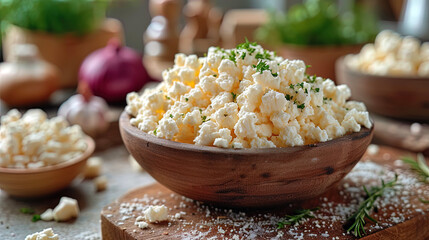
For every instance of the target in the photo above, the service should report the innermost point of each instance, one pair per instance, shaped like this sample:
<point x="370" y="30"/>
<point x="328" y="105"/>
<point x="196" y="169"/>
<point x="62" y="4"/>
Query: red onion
<point x="113" y="71"/>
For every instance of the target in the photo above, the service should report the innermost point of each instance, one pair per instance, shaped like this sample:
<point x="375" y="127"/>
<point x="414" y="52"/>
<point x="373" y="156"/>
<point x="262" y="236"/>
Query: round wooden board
<point x="401" y="217"/>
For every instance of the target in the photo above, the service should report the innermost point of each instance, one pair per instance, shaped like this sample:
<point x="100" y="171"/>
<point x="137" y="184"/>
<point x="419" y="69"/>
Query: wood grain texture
<point x="118" y="226"/>
<point x="321" y="58"/>
<point x="397" y="97"/>
<point x="38" y="182"/>
<point x="245" y="177"/>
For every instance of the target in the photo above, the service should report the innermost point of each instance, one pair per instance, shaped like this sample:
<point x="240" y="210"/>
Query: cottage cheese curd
<point x="245" y="98"/>
<point x="393" y="55"/>
<point x="33" y="141"/>
<point x="46" y="234"/>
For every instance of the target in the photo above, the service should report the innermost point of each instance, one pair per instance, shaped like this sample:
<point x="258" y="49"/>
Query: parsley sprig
<point x="419" y="166"/>
<point x="247" y="46"/>
<point x="297" y="217"/>
<point x="262" y="66"/>
<point x="358" y="220"/>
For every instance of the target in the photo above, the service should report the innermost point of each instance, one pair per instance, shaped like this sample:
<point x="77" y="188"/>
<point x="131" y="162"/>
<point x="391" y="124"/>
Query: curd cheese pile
<point x="33" y="141"/>
<point x="393" y="55"/>
<point x="245" y="97"/>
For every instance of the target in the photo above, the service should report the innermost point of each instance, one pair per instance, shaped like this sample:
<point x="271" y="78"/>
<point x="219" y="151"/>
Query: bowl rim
<point x="125" y="125"/>
<point x="87" y="153"/>
<point x="342" y="64"/>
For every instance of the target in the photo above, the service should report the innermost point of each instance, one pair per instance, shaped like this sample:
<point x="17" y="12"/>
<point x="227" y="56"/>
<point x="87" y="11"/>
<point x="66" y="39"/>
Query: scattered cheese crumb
<point x="100" y="183"/>
<point x="372" y="149"/>
<point x="93" y="167"/>
<point x="46" y="234"/>
<point x="66" y="209"/>
<point x="48" y="215"/>
<point x="156" y="213"/>
<point x="142" y="225"/>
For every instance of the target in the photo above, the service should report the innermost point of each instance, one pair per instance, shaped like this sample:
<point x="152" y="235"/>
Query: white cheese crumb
<point x="48" y="215"/>
<point x="156" y="213"/>
<point x="372" y="149"/>
<point x="100" y="183"/>
<point x="93" y="167"/>
<point x="46" y="234"/>
<point x="66" y="209"/>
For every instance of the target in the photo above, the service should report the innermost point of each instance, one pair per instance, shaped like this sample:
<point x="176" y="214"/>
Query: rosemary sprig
<point x="358" y="219"/>
<point x="294" y="219"/>
<point x="419" y="166"/>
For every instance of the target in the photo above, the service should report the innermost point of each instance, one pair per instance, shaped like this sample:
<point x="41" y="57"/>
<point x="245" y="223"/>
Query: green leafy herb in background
<point x="419" y="166"/>
<point x="54" y="16"/>
<point x="319" y="22"/>
<point x="296" y="218"/>
<point x="358" y="220"/>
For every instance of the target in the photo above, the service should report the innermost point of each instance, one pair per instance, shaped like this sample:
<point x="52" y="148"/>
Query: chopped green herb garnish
<point x="274" y="74"/>
<point x="167" y="97"/>
<point x="247" y="46"/>
<point x="201" y="111"/>
<point x="424" y="201"/>
<point x="291" y="86"/>
<point x="264" y="55"/>
<point x="204" y="118"/>
<point x="186" y="99"/>
<point x="262" y="66"/>
<point x="317" y="89"/>
<point x="300" y="84"/>
<point x="243" y="55"/>
<point x="296" y="218"/>
<point x="36" y="218"/>
<point x="154" y="132"/>
<point x="26" y="210"/>
<point x="307" y="66"/>
<point x="171" y="115"/>
<point x="301" y="106"/>
<point x="288" y="97"/>
<point x="305" y="90"/>
<point x="234" y="96"/>
<point x="311" y="79"/>
<point x="232" y="56"/>
<point x="214" y="75"/>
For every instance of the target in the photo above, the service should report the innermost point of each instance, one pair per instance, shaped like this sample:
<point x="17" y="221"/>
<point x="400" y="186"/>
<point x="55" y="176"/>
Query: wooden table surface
<point x="121" y="179"/>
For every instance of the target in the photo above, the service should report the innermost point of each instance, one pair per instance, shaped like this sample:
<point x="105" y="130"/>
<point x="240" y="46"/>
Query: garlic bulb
<point x="27" y="80"/>
<point x="86" y="110"/>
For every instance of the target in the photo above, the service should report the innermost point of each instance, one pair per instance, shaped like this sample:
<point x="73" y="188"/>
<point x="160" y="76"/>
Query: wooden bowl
<point x="321" y="58"/>
<point x="397" y="97"/>
<point x="45" y="180"/>
<point x="245" y="177"/>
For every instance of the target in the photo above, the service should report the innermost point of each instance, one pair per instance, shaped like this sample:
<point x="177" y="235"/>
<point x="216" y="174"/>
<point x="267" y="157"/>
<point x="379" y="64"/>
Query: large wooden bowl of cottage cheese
<point x="402" y="97"/>
<point x="37" y="182"/>
<point x="245" y="177"/>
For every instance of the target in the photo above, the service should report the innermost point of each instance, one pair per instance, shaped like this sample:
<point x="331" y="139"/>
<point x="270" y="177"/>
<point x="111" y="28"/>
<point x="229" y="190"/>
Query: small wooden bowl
<point x="397" y="97"/>
<point x="45" y="180"/>
<point x="245" y="177"/>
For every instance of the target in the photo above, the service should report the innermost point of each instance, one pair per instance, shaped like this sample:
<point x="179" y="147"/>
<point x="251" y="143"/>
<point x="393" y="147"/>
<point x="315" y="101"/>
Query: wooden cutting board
<point x="399" y="213"/>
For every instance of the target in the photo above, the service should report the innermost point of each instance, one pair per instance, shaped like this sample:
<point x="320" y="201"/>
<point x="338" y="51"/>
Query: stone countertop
<point x="121" y="178"/>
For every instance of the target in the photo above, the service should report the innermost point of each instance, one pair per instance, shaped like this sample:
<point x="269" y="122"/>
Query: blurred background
<point x="54" y="49"/>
